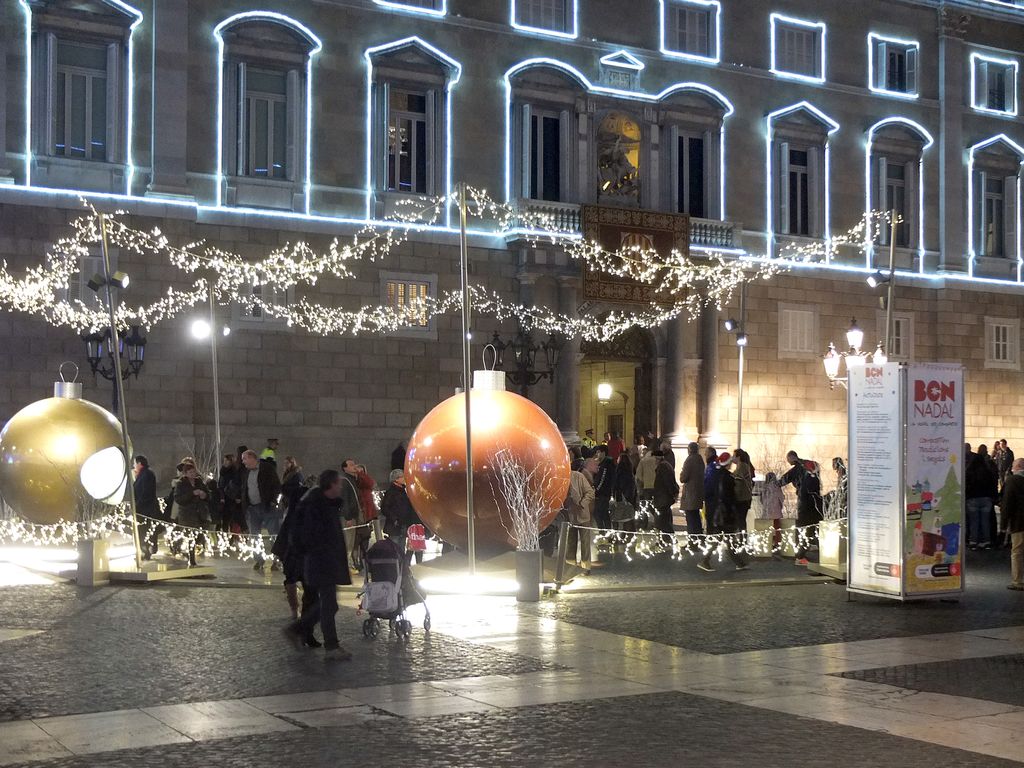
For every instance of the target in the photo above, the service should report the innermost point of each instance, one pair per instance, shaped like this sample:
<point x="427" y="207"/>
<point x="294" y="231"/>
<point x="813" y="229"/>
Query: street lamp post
<point x="738" y="327"/>
<point x="526" y="374"/>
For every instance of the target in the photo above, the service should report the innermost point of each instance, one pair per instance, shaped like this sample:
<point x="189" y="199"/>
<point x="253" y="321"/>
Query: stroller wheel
<point x="367" y="628"/>
<point x="404" y="629"/>
<point x="426" y="624"/>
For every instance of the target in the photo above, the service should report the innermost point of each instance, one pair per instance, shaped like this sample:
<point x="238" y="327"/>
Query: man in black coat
<point x="146" y="505"/>
<point x="318" y="532"/>
<point x="604" y="484"/>
<point x="666" y="490"/>
<point x="1011" y="507"/>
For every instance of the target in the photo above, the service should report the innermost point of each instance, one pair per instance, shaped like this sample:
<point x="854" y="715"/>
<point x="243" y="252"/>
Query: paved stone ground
<point x="995" y="678"/>
<point x="669" y="729"/>
<point x="730" y="620"/>
<point x="137" y="646"/>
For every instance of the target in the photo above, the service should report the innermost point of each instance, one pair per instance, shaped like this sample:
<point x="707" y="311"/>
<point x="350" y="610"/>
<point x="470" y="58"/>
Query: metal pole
<point x="467" y="382"/>
<point x="119" y="389"/>
<point x="216" y="380"/>
<point x="892" y="283"/>
<point x="739" y="382"/>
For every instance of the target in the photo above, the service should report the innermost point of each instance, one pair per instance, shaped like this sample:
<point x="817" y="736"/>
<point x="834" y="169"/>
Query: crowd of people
<point x="996" y="480"/>
<point x="715" y="491"/>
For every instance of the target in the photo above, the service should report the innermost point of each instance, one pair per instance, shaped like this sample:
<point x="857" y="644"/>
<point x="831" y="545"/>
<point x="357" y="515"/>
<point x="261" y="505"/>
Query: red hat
<point x="811" y="466"/>
<point x="725" y="458"/>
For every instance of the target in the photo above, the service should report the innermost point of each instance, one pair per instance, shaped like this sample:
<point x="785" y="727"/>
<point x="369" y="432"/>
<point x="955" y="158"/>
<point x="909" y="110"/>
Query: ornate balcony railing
<point x="566" y="218"/>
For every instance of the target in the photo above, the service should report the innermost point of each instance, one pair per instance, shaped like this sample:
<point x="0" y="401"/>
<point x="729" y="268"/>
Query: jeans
<point x="1017" y="558"/>
<point x="322" y="608"/>
<point x="979" y="530"/>
<point x="260" y="516"/>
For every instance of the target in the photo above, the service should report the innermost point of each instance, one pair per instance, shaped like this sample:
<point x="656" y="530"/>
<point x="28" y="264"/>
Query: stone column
<point x="673" y="411"/>
<point x="170" y="99"/>
<point x="952" y="177"/>
<point x="708" y="403"/>
<point x="567" y="377"/>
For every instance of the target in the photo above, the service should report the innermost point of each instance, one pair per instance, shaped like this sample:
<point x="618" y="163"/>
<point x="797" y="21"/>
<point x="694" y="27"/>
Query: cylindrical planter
<point x="528" y="574"/>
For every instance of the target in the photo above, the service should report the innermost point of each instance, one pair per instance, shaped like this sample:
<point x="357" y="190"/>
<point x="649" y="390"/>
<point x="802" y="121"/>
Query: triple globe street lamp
<point x="526" y="373"/>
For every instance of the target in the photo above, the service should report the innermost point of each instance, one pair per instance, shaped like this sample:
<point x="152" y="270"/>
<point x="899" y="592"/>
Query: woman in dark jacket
<point x="193" y="500"/>
<point x="398" y="512"/>
<point x="284" y="548"/>
<point x="625" y="481"/>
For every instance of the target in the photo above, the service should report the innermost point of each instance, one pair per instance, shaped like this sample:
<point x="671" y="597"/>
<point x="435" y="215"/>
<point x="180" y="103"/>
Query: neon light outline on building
<point x="663" y="13"/>
<point x="1012" y="63"/>
<point x="775" y="19"/>
<point x="398" y="5"/>
<point x="923" y="133"/>
<point x="972" y="254"/>
<point x="548" y="32"/>
<point x="450" y="84"/>
<point x="874" y="37"/>
<point x="129" y="154"/>
<point x="833" y="126"/>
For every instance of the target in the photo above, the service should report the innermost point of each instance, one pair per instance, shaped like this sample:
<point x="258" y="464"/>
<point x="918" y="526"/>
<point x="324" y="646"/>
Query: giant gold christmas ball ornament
<point x="435" y="467"/>
<point x="49" y="448"/>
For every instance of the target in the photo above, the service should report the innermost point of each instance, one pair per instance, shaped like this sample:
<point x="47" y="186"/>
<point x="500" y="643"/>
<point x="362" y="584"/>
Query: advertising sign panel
<point x="932" y="536"/>
<point x="875" y="484"/>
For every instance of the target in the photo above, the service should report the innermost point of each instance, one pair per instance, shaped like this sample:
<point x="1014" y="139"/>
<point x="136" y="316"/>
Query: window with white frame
<point x="1002" y="343"/>
<point x="798" y="48"/>
<point x="801" y="188"/>
<point x="544" y="160"/>
<point x="545" y="15"/>
<point x="994" y="84"/>
<point x="409" y="150"/>
<point x="894" y="65"/>
<point x="690" y="175"/>
<point x="543" y="122"/>
<point x="409" y="101"/>
<point x="995" y="202"/>
<point x="798" y="332"/>
<point x="691" y="147"/>
<point x="901" y="346"/>
<point x="894" y="185"/>
<point x="690" y="28"/>
<point x="263" y="129"/>
<point x="80" y="93"/>
<point x="410" y="293"/>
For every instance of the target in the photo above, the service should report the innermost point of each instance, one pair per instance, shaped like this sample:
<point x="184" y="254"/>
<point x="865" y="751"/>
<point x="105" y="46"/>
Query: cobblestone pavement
<point x="667" y="729"/>
<point x="730" y="620"/>
<point x="995" y="678"/>
<point x="129" y="647"/>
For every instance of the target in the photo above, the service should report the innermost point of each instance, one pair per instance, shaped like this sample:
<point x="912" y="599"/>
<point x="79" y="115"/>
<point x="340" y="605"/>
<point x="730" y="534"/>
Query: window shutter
<point x="435" y="139"/>
<point x="565" y="147"/>
<point x="911" y="59"/>
<point x="980" y="94"/>
<point x="113" y="97"/>
<point x="912" y="214"/>
<point x="881" y="65"/>
<point x="783" y="183"/>
<point x="382" y="92"/>
<point x="882" y="171"/>
<point x="979" y="212"/>
<point x="526" y="156"/>
<point x="815" y="191"/>
<point x="294" y="130"/>
<point x="1010" y="216"/>
<point x="242" y="130"/>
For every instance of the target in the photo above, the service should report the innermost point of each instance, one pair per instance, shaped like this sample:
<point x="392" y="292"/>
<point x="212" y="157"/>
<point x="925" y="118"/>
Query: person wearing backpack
<point x="722" y="516"/>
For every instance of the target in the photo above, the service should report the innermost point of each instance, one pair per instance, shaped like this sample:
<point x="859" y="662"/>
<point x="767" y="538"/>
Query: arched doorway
<point x="626" y="363"/>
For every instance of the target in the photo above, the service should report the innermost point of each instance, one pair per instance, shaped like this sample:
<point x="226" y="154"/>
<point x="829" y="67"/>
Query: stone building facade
<point x="252" y="126"/>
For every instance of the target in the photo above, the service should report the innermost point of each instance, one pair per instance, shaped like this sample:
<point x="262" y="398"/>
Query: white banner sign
<point x="876" y="458"/>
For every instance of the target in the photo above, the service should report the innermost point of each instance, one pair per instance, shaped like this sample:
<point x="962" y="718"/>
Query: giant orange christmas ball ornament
<point x="435" y="466"/>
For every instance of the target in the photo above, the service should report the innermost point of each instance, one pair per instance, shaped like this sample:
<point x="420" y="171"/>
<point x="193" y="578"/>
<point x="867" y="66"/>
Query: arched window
<point x="994" y="199"/>
<point x="691" y="124"/>
<point x="264" y="112"/>
<point x="80" y="116"/>
<point x="544" y="125"/>
<point x="798" y="164"/>
<point x="410" y="104"/>
<point x="895" y="178"/>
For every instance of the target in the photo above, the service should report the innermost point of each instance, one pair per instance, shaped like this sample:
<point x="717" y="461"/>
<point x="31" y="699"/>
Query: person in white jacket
<point x="579" y="506"/>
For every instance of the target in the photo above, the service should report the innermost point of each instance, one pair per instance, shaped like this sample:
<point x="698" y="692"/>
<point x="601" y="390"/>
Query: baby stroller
<point x="388" y="589"/>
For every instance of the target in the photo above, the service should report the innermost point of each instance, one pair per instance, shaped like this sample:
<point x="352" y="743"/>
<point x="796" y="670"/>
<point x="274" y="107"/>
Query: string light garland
<point x="716" y="276"/>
